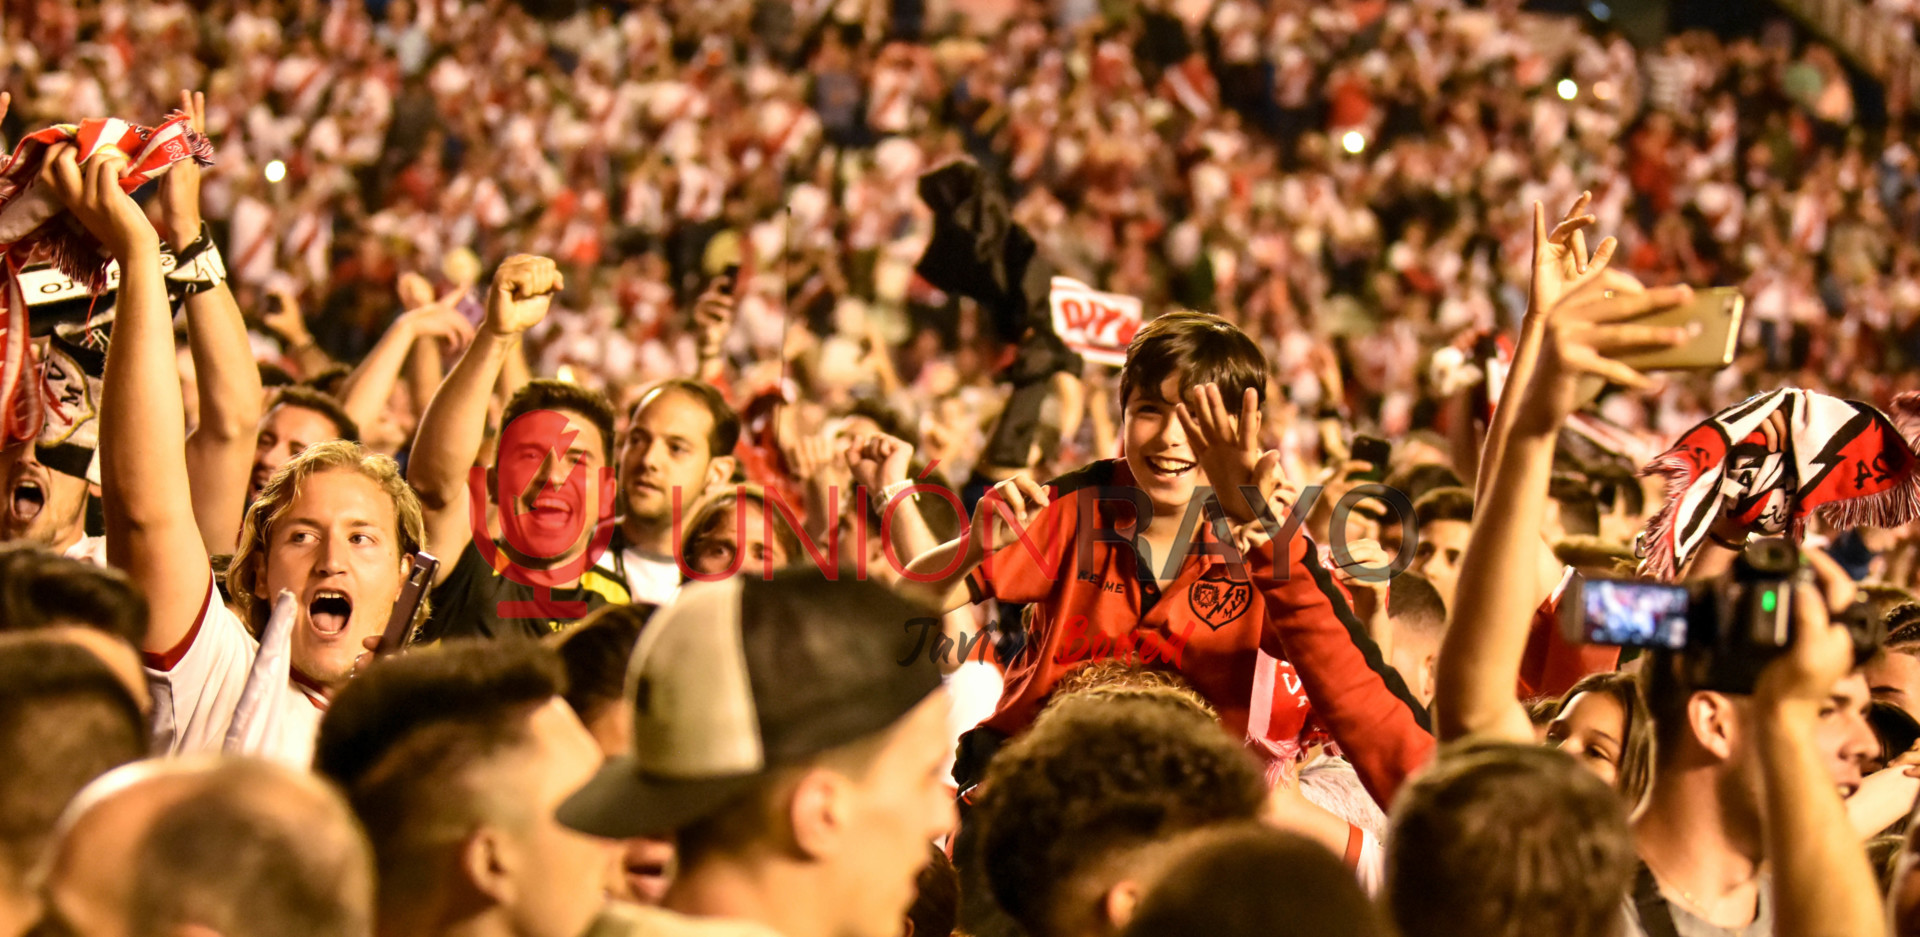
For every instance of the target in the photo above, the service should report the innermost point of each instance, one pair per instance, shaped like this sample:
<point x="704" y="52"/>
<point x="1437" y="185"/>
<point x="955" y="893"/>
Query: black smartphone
<point x="1374" y="451"/>
<point x="731" y="277"/>
<point x="407" y="604"/>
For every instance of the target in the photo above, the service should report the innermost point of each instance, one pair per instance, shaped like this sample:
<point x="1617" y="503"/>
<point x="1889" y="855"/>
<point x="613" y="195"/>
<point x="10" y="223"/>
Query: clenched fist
<point x="522" y="290"/>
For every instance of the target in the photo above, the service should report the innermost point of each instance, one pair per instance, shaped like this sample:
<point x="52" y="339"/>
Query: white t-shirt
<point x="89" y="549"/>
<point x="197" y="690"/>
<point x="651" y="579"/>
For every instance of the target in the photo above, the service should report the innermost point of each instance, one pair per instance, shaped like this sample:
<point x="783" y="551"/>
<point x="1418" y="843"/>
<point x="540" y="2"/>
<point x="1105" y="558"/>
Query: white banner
<point x="1097" y="325"/>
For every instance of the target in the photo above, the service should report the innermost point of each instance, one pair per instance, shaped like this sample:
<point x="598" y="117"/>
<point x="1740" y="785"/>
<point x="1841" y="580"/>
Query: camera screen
<point x="1630" y="613"/>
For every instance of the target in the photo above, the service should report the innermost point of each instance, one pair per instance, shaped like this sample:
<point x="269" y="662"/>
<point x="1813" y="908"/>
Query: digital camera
<point x="1731" y="629"/>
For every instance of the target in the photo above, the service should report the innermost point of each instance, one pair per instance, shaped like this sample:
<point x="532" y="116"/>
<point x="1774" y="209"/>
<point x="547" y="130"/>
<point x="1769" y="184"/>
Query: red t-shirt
<point x="1077" y="567"/>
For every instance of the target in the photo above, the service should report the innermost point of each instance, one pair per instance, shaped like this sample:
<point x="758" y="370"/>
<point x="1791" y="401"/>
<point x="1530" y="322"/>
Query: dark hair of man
<point x="65" y="719"/>
<point x="1251" y="880"/>
<point x="936" y="900"/>
<point x="1198" y="348"/>
<point x="40" y="588"/>
<point x="548" y="394"/>
<point x="1579" y="509"/>
<point x="401" y="737"/>
<point x="1444" y="504"/>
<point x="249" y="854"/>
<point x="1903" y="628"/>
<point x="330" y="381"/>
<point x="1414" y="604"/>
<point x="1882" y="599"/>
<point x="1506" y="840"/>
<point x="1093" y="779"/>
<point x="595" y="653"/>
<point x="1635" y="769"/>
<point x="1416" y="480"/>
<point x="1613" y="484"/>
<point x="726" y="423"/>
<point x="306" y="398"/>
<point x="273" y="375"/>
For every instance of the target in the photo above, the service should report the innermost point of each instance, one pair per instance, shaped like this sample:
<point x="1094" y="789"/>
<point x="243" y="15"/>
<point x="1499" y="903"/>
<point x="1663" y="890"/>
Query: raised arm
<point x="284" y="319"/>
<point x="151" y="532"/>
<point x="1822" y="883"/>
<point x="1560" y="265"/>
<point x="1480" y="657"/>
<point x="455" y="424"/>
<point x="220" y="449"/>
<point x="371" y="384"/>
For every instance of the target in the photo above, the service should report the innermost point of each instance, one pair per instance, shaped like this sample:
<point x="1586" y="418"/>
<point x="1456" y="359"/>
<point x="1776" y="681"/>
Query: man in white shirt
<point x="679" y="444"/>
<point x="334" y="526"/>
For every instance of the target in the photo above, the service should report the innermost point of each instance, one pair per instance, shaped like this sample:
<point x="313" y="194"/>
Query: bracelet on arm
<point x="198" y="267"/>
<point x="1734" y="545"/>
<point x="894" y="490"/>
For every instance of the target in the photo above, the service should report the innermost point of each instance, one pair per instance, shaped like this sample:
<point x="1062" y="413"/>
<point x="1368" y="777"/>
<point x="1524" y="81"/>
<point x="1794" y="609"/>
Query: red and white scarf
<point x="1845" y="459"/>
<point x="34" y="226"/>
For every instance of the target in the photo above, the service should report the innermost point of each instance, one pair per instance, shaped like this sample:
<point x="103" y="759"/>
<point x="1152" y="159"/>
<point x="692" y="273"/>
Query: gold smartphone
<point x="1714" y="315"/>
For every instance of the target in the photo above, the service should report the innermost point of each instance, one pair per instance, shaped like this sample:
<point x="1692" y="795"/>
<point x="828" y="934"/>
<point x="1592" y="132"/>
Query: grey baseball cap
<point x="740" y="677"/>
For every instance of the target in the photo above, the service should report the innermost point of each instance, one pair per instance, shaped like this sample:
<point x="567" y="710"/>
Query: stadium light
<point x="1568" y="90"/>
<point x="276" y="171"/>
<point x="1353" y="141"/>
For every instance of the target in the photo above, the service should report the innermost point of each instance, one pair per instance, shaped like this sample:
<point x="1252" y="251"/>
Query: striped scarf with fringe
<point x="35" y="226"/>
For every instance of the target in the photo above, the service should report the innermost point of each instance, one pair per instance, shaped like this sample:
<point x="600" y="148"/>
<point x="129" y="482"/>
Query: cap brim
<point x="620" y="802"/>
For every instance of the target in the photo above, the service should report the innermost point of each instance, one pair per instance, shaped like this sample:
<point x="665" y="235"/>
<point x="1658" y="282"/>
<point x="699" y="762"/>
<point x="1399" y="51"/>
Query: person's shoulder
<point x="1099" y="474"/>
<point x="620" y="919"/>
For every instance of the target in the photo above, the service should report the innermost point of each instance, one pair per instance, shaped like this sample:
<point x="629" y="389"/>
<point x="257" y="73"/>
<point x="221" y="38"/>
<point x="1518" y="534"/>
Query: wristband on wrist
<point x="895" y="489"/>
<point x="198" y="267"/>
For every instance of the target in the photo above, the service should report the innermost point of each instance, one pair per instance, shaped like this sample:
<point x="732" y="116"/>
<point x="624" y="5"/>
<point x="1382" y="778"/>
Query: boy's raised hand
<point x="1228" y="447"/>
<point x="92" y="193"/>
<point x="180" y="187"/>
<point x="1561" y="263"/>
<point x="1003" y="514"/>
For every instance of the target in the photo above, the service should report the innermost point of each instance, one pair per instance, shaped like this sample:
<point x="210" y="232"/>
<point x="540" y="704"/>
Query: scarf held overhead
<point x="1845" y="459"/>
<point x="34" y="225"/>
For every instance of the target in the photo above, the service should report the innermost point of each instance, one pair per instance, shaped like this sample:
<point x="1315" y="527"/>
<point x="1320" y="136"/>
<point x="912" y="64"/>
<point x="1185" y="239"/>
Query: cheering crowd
<point x="621" y="474"/>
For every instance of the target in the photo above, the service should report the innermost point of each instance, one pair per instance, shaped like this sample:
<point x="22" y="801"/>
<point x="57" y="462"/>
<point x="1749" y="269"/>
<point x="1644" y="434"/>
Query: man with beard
<point x="679" y="446"/>
<point x="551" y="480"/>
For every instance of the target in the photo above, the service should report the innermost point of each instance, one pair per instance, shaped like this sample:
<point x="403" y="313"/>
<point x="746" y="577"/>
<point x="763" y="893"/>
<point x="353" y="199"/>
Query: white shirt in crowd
<point x="197" y="689"/>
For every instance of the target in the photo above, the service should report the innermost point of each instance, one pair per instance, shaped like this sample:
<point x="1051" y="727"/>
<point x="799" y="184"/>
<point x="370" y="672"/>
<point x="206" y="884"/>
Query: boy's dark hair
<point x="248" y="855"/>
<point x="1093" y="779"/>
<point x="1251" y="880"/>
<point x="65" y="719"/>
<point x="1415" y="481"/>
<point x="1612" y="484"/>
<point x="1444" y="504"/>
<point x="1505" y="838"/>
<point x="306" y="398"/>
<point x="595" y="653"/>
<point x="40" y="588"/>
<point x="1579" y="509"/>
<point x="548" y="394"/>
<point x="725" y="434"/>
<point x="1413" y="603"/>
<point x="1199" y="349"/>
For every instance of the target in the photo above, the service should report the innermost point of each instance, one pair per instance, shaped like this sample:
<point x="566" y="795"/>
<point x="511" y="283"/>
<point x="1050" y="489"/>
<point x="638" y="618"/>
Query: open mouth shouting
<point x="29" y="497"/>
<point x="1169" y="469"/>
<point x="330" y="611"/>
